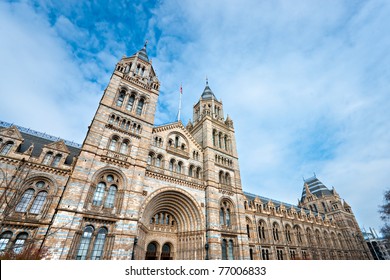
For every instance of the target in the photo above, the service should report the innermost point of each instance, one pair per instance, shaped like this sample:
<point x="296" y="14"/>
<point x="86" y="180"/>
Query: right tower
<point x="225" y="214"/>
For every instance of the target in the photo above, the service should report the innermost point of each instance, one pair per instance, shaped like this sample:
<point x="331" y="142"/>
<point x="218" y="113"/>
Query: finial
<point x="146" y="43"/>
<point x="207" y="81"/>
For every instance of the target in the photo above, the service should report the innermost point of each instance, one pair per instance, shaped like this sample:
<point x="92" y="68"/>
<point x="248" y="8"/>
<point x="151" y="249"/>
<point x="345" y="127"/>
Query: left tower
<point x="98" y="213"/>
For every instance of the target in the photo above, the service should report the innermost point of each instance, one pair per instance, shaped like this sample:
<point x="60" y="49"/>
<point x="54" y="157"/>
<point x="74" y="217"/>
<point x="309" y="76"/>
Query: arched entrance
<point x="166" y="252"/>
<point x="151" y="252"/>
<point x="172" y="218"/>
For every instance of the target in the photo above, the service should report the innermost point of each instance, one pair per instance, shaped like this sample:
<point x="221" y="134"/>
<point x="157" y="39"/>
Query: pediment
<point x="58" y="146"/>
<point x="12" y="132"/>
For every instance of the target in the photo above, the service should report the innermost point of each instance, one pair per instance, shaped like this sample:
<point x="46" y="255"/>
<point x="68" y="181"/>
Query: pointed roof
<point x="315" y="187"/>
<point x="142" y="53"/>
<point x="207" y="92"/>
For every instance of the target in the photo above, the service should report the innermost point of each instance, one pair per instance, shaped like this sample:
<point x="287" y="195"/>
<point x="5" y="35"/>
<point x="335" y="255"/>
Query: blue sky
<point x="305" y="82"/>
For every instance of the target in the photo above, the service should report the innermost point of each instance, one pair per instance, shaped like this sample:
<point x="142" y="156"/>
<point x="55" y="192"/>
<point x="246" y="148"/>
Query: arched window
<point x="120" y="99"/>
<point x="288" y="234"/>
<point x="99" y="194"/>
<point x="231" y="250"/>
<point x="179" y="167"/>
<point x="124" y="147"/>
<point x="98" y="246"/>
<point x="5" y="237"/>
<point x="150" y="158"/>
<point x="224" y="249"/>
<point x="38" y="203"/>
<point x="191" y="171"/>
<point x="6" y="148"/>
<point x="113" y="143"/>
<point x="261" y="230"/>
<point x="130" y="103"/>
<point x="158" y="160"/>
<point x="56" y="160"/>
<point x="227" y="179"/>
<point x="48" y="157"/>
<point x="84" y="243"/>
<point x="106" y="192"/>
<point x="198" y="173"/>
<point x="140" y="106"/>
<point x="24" y="201"/>
<point x="275" y="232"/>
<point x="110" y="200"/>
<point x="221" y="177"/>
<point x="19" y="242"/>
<point x="171" y="164"/>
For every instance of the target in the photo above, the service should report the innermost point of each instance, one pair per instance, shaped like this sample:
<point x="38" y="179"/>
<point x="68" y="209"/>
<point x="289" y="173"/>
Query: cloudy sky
<point x="305" y="82"/>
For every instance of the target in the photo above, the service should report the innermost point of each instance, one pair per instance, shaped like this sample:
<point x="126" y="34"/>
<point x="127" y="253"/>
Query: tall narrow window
<point x="5" y="237"/>
<point x="56" y="160"/>
<point x="98" y="247"/>
<point x="99" y="194"/>
<point x="248" y="231"/>
<point x="158" y="161"/>
<point x="113" y="142"/>
<point x="130" y="103"/>
<point x="84" y="243"/>
<point x="191" y="171"/>
<point x="6" y="148"/>
<point x="24" y="201"/>
<point x="179" y="167"/>
<point x="19" y="242"/>
<point x="228" y="217"/>
<point x="110" y="200"/>
<point x="231" y="250"/>
<point x="124" y="147"/>
<point x="171" y="164"/>
<point x="120" y="99"/>
<point x="140" y="106"/>
<point x="39" y="201"/>
<point x="224" y="249"/>
<point x="221" y="216"/>
<point x="48" y="157"/>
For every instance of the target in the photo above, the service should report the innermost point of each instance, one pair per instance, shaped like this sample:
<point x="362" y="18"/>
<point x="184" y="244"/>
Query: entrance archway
<point x="166" y="252"/>
<point x="151" y="253"/>
<point x="170" y="216"/>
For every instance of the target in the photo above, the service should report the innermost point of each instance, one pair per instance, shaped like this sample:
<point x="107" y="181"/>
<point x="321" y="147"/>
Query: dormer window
<point x="6" y="148"/>
<point x="47" y="159"/>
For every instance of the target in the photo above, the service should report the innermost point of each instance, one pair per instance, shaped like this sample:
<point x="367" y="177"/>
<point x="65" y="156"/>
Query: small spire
<point x="207" y="81"/>
<point x="146" y="43"/>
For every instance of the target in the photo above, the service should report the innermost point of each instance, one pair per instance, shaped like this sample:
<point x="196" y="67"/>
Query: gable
<point x="11" y="132"/>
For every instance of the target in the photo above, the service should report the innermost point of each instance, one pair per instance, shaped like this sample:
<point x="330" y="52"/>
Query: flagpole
<point x="178" y="114"/>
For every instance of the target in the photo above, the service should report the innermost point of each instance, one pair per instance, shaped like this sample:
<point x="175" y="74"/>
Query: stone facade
<point x="134" y="190"/>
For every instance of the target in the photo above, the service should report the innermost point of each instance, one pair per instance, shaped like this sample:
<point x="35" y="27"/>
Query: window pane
<point x="98" y="195"/>
<point x="38" y="203"/>
<point x="7" y="147"/>
<point x="231" y="250"/>
<point x="98" y="247"/>
<point x="47" y="158"/>
<point x="84" y="243"/>
<point x="140" y="106"/>
<point x="224" y="251"/>
<point x="19" y="242"/>
<point x="24" y="201"/>
<point x="4" y="239"/>
<point x="110" y="200"/>
<point x="56" y="160"/>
